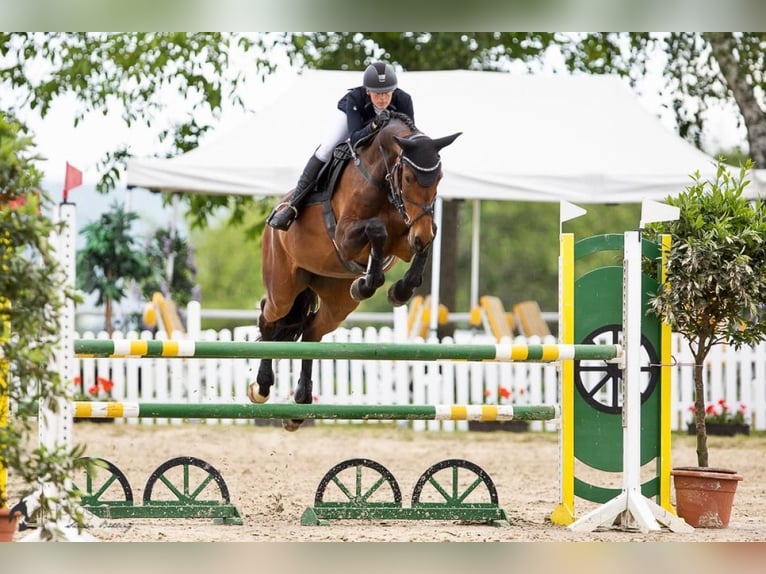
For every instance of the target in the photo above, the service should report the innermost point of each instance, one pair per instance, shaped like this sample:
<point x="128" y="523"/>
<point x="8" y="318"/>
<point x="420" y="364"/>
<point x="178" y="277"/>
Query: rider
<point x="358" y="117"/>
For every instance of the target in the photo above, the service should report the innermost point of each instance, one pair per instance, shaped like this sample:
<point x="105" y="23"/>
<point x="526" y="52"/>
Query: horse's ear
<point x="404" y="143"/>
<point x="445" y="141"/>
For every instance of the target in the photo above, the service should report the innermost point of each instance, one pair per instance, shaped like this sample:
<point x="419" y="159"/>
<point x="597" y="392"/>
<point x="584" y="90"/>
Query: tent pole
<point x="436" y="258"/>
<point x="475" y="234"/>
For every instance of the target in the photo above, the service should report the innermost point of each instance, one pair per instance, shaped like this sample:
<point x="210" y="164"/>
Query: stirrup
<point x="282" y="219"/>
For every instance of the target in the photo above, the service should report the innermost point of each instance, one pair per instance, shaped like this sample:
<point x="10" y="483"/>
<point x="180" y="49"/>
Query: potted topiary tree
<point x="31" y="296"/>
<point x="716" y="293"/>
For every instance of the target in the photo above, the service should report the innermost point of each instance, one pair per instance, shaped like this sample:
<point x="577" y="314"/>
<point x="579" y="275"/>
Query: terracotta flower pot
<point x="704" y="496"/>
<point x="8" y="527"/>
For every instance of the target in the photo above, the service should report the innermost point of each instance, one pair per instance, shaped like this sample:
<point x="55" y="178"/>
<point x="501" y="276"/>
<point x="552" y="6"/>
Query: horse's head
<point x="416" y="174"/>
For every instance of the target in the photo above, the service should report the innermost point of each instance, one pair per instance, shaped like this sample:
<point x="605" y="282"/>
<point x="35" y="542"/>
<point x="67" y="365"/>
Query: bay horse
<point x="335" y="254"/>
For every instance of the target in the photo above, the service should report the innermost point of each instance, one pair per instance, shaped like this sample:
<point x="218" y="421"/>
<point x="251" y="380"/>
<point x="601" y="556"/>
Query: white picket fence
<point x="736" y="376"/>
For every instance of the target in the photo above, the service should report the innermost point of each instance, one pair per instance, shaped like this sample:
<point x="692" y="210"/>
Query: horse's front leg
<point x="258" y="392"/>
<point x="303" y="394"/>
<point x="366" y="285"/>
<point x="401" y="291"/>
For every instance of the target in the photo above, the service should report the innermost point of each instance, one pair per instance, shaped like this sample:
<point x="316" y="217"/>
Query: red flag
<point x="73" y="179"/>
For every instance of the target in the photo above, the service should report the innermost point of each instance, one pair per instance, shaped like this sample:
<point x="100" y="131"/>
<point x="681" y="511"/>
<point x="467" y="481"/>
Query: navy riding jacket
<point x="360" y="112"/>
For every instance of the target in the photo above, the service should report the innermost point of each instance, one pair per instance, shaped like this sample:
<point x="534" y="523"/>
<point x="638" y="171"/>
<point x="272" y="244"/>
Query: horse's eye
<point x="409" y="179"/>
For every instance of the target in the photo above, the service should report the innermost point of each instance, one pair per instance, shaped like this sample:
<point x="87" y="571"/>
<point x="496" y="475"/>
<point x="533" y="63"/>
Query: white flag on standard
<point x="652" y="211"/>
<point x="569" y="211"/>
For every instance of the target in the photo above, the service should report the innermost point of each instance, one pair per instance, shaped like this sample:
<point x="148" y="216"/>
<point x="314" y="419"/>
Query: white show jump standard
<point x="382" y="351"/>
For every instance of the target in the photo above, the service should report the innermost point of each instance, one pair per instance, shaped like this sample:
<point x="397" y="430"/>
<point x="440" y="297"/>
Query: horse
<point x="337" y="252"/>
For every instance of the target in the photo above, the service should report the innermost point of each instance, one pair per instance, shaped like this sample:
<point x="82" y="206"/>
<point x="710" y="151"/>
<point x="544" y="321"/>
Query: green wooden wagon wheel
<point x="454" y="482"/>
<point x="358" y="482"/>
<point x="103" y="479"/>
<point x="600" y="382"/>
<point x="186" y="480"/>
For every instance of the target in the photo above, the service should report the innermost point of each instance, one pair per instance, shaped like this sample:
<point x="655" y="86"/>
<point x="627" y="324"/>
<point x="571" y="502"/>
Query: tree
<point x="170" y="259"/>
<point x="136" y="73"/>
<point x="716" y="273"/>
<point x="701" y="71"/>
<point x="111" y="259"/>
<point x="32" y="293"/>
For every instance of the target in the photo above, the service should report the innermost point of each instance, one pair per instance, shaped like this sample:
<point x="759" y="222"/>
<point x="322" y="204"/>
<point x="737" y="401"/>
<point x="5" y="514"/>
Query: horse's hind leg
<point x="336" y="306"/>
<point x="401" y="291"/>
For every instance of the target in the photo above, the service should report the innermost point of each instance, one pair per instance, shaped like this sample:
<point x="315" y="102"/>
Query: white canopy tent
<point x="581" y="139"/>
<point x="584" y="139"/>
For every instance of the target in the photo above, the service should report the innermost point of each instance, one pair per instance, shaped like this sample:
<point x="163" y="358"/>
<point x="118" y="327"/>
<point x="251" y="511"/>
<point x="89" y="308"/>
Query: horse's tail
<point x="291" y="326"/>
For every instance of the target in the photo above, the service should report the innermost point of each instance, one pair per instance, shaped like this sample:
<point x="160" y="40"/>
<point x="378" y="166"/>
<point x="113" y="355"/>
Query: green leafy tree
<point x="716" y="272"/>
<point x="135" y="73"/>
<point x="111" y="259"/>
<point x="167" y="251"/>
<point x="32" y="292"/>
<point x="700" y="70"/>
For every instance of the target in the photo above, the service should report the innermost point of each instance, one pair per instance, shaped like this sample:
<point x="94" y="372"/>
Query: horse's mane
<point x="404" y="118"/>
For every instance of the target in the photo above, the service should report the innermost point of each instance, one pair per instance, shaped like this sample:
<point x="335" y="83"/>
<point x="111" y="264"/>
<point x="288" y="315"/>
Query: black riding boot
<point x="285" y="213"/>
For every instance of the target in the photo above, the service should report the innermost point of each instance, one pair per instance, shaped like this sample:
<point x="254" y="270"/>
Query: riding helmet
<point x="380" y="77"/>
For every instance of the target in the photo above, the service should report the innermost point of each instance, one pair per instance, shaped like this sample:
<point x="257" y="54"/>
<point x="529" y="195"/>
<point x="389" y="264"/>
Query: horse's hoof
<point x="356" y="290"/>
<point x="291" y="425"/>
<point x="254" y="395"/>
<point x="393" y="299"/>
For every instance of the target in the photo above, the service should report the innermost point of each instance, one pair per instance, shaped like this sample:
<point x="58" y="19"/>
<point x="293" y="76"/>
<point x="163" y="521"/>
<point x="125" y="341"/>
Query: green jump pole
<point x="367" y="351"/>
<point x="103" y="409"/>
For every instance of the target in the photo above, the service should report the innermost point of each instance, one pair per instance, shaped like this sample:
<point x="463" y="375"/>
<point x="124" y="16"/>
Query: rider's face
<point x="381" y="100"/>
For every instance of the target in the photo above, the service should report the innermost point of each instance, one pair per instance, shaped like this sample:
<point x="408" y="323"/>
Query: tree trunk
<point x="724" y="50"/>
<point x="108" y="316"/>
<point x="699" y="412"/>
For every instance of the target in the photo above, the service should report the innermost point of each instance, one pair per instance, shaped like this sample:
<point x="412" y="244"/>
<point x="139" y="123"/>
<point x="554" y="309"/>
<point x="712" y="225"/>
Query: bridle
<point x="393" y="182"/>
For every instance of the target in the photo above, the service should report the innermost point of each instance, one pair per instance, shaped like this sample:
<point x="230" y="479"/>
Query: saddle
<point x="329" y="175"/>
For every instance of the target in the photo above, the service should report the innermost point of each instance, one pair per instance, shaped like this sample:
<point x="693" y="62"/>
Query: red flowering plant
<point x="720" y="413"/>
<point x="503" y="396"/>
<point x="101" y="390"/>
